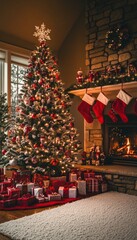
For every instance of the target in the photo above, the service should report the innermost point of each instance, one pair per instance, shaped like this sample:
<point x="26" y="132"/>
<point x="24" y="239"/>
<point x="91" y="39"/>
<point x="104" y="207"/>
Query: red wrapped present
<point x="8" y="203"/>
<point x="4" y="196"/>
<point x="1" y="171"/>
<point x="16" y="176"/>
<point x="23" y="188"/>
<point x="25" y="176"/>
<point x="4" y="185"/>
<point x="38" y="179"/>
<point x="26" y="200"/>
<point x="89" y="174"/>
<point x="57" y="183"/>
<point x="2" y="178"/>
<point x="13" y="192"/>
<point x="104" y="186"/>
<point x="92" y="185"/>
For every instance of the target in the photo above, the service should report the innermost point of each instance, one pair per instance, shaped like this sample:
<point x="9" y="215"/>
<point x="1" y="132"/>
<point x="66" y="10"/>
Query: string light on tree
<point x="43" y="134"/>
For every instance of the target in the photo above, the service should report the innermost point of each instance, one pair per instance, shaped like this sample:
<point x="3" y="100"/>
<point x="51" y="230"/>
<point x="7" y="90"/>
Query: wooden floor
<point x="12" y="215"/>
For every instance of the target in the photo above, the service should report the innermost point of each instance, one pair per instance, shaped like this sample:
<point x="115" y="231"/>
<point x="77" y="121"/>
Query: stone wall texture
<point x="101" y="15"/>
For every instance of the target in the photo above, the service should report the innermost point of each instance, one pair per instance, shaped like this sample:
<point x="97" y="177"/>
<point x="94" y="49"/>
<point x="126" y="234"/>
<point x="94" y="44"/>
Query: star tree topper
<point x="42" y="33"/>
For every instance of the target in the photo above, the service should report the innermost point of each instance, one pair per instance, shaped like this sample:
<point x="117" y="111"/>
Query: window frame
<point x="12" y="51"/>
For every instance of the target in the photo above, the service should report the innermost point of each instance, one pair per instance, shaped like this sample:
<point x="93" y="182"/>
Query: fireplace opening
<point x="120" y="141"/>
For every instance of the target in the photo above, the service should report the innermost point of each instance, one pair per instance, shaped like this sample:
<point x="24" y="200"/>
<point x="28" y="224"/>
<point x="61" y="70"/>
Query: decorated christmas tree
<point x="44" y="138"/>
<point x="4" y="123"/>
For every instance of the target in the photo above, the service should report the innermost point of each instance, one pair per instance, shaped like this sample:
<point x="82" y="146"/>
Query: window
<point x="17" y="79"/>
<point x="13" y="66"/>
<point x="2" y="63"/>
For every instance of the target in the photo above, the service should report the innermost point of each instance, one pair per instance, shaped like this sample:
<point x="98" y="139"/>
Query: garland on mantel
<point x="110" y="76"/>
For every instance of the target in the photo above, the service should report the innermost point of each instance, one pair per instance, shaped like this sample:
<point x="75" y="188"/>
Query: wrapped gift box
<point x="4" y="196"/>
<point x="89" y="174"/>
<point x="92" y="185"/>
<point x="2" y="178"/>
<point x="40" y="199"/>
<point x="16" y="176"/>
<point x="68" y="192"/>
<point x="72" y="177"/>
<point x="46" y="183"/>
<point x="25" y="176"/>
<point x="81" y="185"/>
<point x="13" y="192"/>
<point x="26" y="200"/>
<point x="54" y="197"/>
<point x="1" y="171"/>
<point x="57" y="183"/>
<point x="4" y="185"/>
<point x="104" y="187"/>
<point x="23" y="188"/>
<point x="8" y="203"/>
<point x="30" y="185"/>
<point x="37" y="191"/>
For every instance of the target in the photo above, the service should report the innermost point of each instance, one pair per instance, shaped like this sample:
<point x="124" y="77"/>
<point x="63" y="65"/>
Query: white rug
<point x="107" y="216"/>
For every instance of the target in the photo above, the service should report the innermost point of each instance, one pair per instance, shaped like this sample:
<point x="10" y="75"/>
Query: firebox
<point x="120" y="141"/>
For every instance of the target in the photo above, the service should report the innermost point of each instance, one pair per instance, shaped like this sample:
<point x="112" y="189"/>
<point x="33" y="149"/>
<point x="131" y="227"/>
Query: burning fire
<point x="128" y="146"/>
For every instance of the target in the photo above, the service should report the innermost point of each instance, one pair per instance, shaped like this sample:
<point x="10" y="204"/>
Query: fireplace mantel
<point x="110" y="90"/>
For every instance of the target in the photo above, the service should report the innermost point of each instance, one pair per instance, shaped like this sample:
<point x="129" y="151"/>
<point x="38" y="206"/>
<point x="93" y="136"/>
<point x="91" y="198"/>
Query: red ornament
<point x="54" y="162"/>
<point x="42" y="109"/>
<point x="35" y="145"/>
<point x="3" y="152"/>
<point x="14" y="140"/>
<point x="32" y="99"/>
<point x="41" y="81"/>
<point x="27" y="129"/>
<point x="34" y="86"/>
<point x="30" y="75"/>
<point x="71" y="124"/>
<point x="53" y="115"/>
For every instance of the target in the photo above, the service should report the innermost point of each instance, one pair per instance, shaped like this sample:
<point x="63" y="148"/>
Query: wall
<point x="100" y="16"/>
<point x="71" y="59"/>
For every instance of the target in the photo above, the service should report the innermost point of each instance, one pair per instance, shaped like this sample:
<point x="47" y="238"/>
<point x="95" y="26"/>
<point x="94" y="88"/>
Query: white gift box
<point x="81" y="185"/>
<point x="40" y="199"/>
<point x="54" y="196"/>
<point x="72" y="192"/>
<point x="36" y="191"/>
<point x="19" y="185"/>
<point x="30" y="186"/>
<point x="72" y="177"/>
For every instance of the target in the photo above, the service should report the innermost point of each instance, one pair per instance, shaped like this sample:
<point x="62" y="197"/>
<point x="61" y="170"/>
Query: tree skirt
<point x="106" y="216"/>
<point x="40" y="205"/>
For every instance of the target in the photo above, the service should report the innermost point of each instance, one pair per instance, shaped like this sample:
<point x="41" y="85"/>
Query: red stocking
<point x="99" y="106"/>
<point x="85" y="107"/>
<point x="119" y="105"/>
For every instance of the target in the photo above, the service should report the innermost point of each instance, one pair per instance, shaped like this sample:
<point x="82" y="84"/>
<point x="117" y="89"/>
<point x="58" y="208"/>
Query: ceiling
<point x="19" y="18"/>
